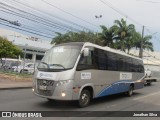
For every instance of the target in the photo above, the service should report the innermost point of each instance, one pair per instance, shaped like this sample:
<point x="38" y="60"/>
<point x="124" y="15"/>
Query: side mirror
<point x="86" y="52"/>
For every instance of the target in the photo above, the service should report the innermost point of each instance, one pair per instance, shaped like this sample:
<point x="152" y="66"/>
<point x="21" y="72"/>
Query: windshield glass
<point x="60" y="58"/>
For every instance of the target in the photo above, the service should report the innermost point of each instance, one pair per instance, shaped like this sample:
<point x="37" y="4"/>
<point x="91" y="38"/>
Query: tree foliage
<point x="147" y="45"/>
<point x="77" y="37"/>
<point x="119" y="36"/>
<point x="123" y="32"/>
<point x="7" y="49"/>
<point x="107" y="36"/>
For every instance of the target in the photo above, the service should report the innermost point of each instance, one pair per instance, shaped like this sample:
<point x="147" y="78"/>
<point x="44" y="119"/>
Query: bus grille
<point x="49" y="87"/>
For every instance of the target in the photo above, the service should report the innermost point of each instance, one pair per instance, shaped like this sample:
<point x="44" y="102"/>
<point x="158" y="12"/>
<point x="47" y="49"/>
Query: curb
<point x="12" y="88"/>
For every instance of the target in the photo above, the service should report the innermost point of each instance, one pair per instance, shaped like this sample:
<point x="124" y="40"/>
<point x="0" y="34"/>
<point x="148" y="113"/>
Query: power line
<point x="26" y="26"/>
<point x="28" y="6"/>
<point x="16" y="11"/>
<point x="25" y="30"/>
<point x="37" y="31"/>
<point x="31" y="26"/>
<point x="69" y="13"/>
<point x="62" y="19"/>
<point x="41" y="20"/>
<point x="6" y="8"/>
<point x="153" y="34"/>
<point x="119" y="11"/>
<point x="113" y="8"/>
<point x="37" y="17"/>
<point x="30" y="30"/>
<point x="32" y="20"/>
<point x="122" y="13"/>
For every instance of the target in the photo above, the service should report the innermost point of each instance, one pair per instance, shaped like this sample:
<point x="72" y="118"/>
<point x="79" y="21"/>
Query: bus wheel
<point x="50" y="100"/>
<point x="84" y="99"/>
<point x="149" y="83"/>
<point x="130" y="92"/>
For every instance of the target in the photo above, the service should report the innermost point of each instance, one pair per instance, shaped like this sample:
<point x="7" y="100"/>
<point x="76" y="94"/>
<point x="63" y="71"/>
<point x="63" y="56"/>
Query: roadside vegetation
<point x="120" y="36"/>
<point x="7" y="49"/>
<point x="5" y="75"/>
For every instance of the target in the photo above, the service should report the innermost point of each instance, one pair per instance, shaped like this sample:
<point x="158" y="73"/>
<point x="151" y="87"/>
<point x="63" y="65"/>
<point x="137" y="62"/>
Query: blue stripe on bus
<point x="117" y="87"/>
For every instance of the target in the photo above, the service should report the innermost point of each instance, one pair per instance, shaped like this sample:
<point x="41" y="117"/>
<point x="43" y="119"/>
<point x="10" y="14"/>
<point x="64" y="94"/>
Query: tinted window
<point x="86" y="62"/>
<point x="105" y="60"/>
<point x="100" y="59"/>
<point x="120" y="63"/>
<point x="112" y="61"/>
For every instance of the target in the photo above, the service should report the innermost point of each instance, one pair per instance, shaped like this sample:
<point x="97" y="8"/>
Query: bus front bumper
<point x="55" y="94"/>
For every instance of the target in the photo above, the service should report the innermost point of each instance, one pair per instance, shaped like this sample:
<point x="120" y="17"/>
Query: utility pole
<point x="141" y="47"/>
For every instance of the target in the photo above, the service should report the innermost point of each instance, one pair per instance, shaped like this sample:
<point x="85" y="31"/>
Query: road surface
<point x="146" y="99"/>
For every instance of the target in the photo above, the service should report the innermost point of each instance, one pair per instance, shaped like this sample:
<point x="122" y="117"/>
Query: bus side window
<point x="81" y="60"/>
<point x="85" y="62"/>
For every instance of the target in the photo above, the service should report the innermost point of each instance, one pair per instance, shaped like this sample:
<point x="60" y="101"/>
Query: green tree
<point x="120" y="36"/>
<point x="107" y="36"/>
<point x="77" y="37"/>
<point x="7" y="49"/>
<point x="131" y="41"/>
<point x="147" y="45"/>
<point x="122" y="31"/>
<point x="62" y="38"/>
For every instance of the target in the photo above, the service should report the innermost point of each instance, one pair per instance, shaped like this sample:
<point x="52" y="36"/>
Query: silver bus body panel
<point x="107" y="82"/>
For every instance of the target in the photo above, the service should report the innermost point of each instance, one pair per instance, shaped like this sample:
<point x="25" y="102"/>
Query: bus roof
<point x="111" y="50"/>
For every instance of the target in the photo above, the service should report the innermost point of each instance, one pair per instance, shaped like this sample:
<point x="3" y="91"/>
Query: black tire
<point x="149" y="83"/>
<point x="50" y="100"/>
<point x="130" y="92"/>
<point x="84" y="99"/>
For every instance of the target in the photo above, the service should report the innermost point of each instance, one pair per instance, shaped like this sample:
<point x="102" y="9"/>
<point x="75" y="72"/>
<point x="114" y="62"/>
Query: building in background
<point x="151" y="59"/>
<point x="151" y="62"/>
<point x="33" y="47"/>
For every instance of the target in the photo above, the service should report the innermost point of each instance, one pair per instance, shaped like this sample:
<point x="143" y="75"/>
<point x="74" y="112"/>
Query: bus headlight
<point x="59" y="83"/>
<point x="63" y="94"/>
<point x="32" y="89"/>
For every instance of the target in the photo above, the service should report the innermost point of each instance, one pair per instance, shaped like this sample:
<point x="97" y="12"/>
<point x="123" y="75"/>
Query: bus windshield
<point x="59" y="58"/>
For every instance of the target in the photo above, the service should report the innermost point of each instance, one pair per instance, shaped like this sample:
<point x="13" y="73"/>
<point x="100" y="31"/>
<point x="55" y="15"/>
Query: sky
<point x="80" y="15"/>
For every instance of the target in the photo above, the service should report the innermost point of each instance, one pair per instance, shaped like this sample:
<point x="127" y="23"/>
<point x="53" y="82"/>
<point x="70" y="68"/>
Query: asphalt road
<point x="146" y="99"/>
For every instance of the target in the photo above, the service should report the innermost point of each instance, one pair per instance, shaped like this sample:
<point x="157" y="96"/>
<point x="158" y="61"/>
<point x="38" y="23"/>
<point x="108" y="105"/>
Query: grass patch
<point x="7" y="75"/>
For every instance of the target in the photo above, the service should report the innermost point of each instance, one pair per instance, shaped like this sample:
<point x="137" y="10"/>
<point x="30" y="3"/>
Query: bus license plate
<point x="43" y="87"/>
